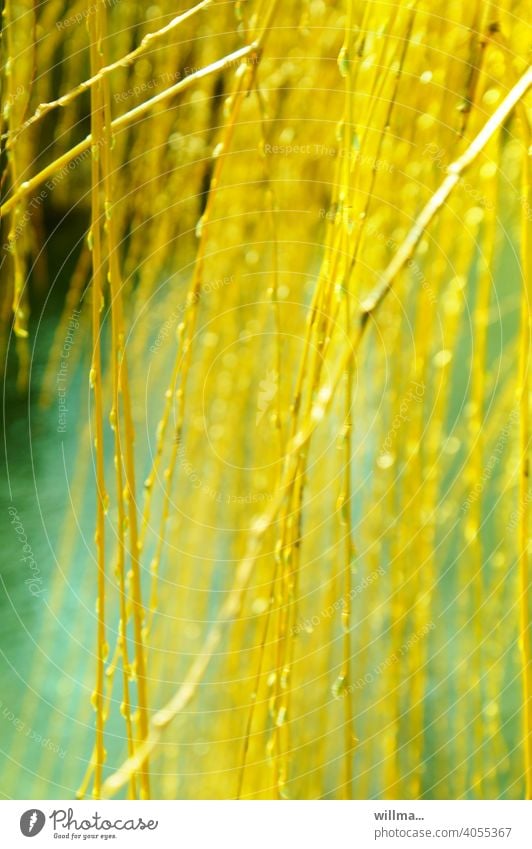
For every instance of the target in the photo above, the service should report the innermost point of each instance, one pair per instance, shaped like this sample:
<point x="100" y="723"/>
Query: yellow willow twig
<point x="74" y="299"/>
<point x="186" y="328"/>
<point x="321" y="307"/>
<point x="96" y="383"/>
<point x="125" y="120"/>
<point x="290" y="523"/>
<point x="148" y="40"/>
<point x="524" y="475"/>
<point x="478" y="393"/>
<point x="273" y="290"/>
<point x="117" y="334"/>
<point x="124" y="449"/>
<point x="368" y="308"/>
<point x="19" y="73"/>
<point x="479" y="81"/>
<point x="454" y="172"/>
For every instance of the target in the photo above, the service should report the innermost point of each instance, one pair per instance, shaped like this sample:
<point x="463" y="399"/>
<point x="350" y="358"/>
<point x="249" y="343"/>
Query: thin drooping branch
<point x="524" y="477"/>
<point x="124" y="121"/>
<point x="454" y="172"/>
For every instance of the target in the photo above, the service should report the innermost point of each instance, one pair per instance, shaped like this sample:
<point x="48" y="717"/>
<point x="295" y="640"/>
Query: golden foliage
<point x="307" y="225"/>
